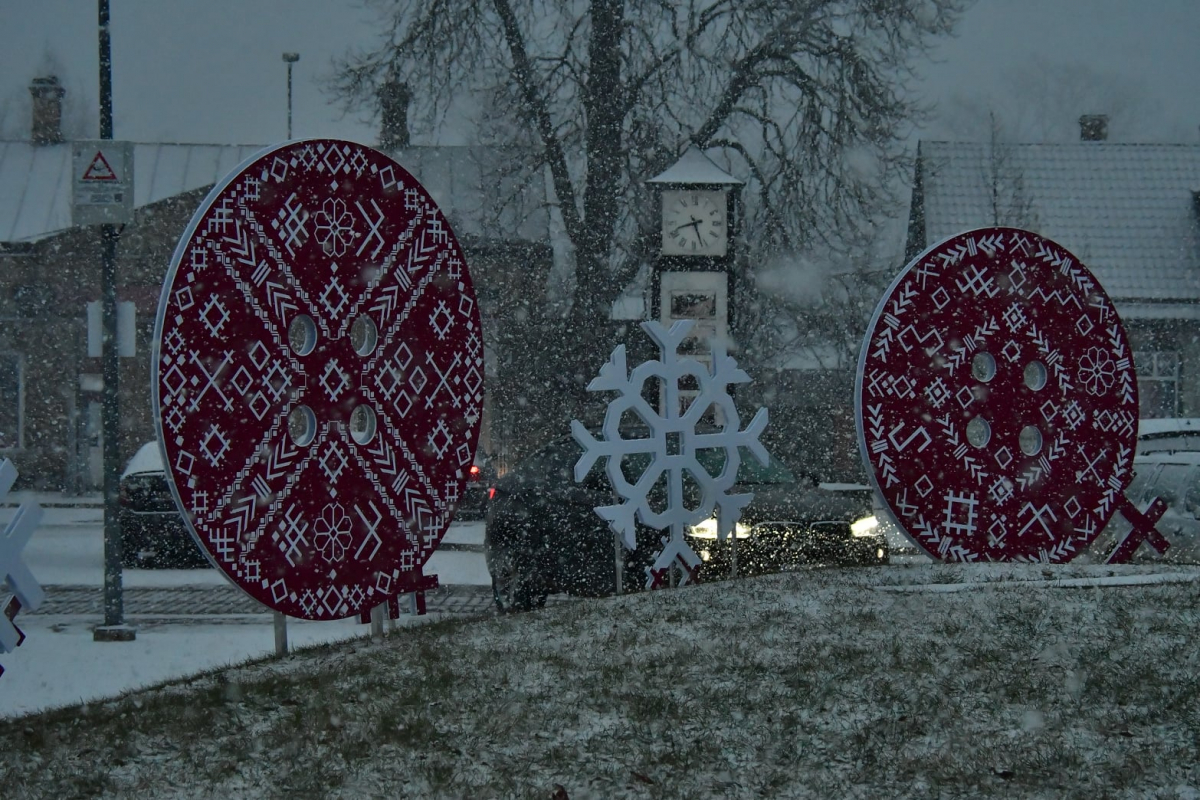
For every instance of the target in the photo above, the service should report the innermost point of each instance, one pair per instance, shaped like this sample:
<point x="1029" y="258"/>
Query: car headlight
<point x="708" y="529"/>
<point x="865" y="526"/>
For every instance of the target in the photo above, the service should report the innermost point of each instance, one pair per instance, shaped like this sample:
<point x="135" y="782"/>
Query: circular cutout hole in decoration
<point x="1030" y="440"/>
<point x="364" y="335"/>
<point x="1036" y="375"/>
<point x="302" y="426"/>
<point x="983" y="367"/>
<point x="302" y="334"/>
<point x="979" y="432"/>
<point x="362" y="424"/>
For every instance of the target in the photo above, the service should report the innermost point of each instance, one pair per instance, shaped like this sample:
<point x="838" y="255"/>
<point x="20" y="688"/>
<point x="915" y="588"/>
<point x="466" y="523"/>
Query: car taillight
<point x="491" y="492"/>
<point x="473" y="473"/>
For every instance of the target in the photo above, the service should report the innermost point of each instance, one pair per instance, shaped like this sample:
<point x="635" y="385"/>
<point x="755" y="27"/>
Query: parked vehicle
<point x="543" y="536"/>
<point x="153" y="533"/>
<point x="472" y="505"/>
<point x="1168" y="435"/>
<point x="1175" y="477"/>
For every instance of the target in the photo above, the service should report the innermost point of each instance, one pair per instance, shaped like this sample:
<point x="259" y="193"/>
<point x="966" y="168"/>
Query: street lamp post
<point x="281" y="639"/>
<point x="290" y="58"/>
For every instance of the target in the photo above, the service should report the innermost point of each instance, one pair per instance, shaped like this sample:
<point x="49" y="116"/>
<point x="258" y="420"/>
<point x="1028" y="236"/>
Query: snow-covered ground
<point x="60" y="664"/>
<point x="823" y="683"/>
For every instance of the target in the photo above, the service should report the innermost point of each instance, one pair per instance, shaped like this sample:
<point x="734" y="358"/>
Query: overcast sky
<point x="211" y="70"/>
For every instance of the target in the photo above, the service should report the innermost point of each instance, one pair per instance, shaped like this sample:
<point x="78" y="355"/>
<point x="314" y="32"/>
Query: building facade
<point x="1129" y="212"/>
<point x="50" y="389"/>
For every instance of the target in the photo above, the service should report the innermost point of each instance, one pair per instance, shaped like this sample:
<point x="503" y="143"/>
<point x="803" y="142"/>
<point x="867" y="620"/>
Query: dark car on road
<point x="792" y="522"/>
<point x="543" y="536"/>
<point x="152" y="531"/>
<point x="472" y="505"/>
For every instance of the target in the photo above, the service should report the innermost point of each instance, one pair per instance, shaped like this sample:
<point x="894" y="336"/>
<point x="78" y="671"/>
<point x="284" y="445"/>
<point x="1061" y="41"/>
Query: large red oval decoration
<point x="318" y="377"/>
<point x="996" y="400"/>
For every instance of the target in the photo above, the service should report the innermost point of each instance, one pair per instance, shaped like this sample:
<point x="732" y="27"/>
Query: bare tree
<point x="805" y="100"/>
<point x="815" y="308"/>
<point x="1041" y="101"/>
<point x="1002" y="174"/>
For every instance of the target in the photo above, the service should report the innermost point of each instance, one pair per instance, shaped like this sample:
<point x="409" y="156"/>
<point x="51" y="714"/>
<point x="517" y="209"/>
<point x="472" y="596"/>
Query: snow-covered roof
<point x="695" y="167"/>
<point x="35" y="185"/>
<point x="35" y="180"/>
<point x="1127" y="211"/>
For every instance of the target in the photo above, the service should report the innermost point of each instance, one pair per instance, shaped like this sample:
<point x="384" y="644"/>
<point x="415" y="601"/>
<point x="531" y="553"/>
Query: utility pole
<point x="290" y="58"/>
<point x="114" y="629"/>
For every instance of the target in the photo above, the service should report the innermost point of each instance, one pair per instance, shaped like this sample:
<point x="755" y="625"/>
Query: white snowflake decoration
<point x="672" y="444"/>
<point x="27" y="592"/>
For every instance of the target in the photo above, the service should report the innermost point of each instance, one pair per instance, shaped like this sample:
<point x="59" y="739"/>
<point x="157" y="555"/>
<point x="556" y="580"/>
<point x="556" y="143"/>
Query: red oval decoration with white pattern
<point x="318" y="377"/>
<point x="996" y="400"/>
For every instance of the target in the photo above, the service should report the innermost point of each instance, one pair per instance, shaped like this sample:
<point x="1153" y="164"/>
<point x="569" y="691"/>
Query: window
<point x="11" y="375"/>
<point x="1158" y="383"/>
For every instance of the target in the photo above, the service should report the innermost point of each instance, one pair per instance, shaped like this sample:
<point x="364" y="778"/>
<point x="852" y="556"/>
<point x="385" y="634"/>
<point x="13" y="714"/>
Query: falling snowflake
<point x="673" y="441"/>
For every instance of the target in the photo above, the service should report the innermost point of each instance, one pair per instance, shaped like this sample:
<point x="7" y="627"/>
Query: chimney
<point x="46" y="123"/>
<point x="394" y="97"/>
<point x="1093" y="127"/>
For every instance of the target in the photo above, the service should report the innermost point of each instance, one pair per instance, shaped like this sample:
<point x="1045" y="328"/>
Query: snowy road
<point x="68" y="550"/>
<point x="187" y="620"/>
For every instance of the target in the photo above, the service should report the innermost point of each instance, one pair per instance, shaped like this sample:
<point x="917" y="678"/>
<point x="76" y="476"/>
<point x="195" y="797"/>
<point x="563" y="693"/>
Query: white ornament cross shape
<point x="28" y="593"/>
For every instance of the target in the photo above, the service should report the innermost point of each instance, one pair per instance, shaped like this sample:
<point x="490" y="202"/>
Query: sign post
<point x="102" y="194"/>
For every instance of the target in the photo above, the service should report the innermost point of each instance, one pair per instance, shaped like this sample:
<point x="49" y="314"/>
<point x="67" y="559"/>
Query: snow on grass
<point x="810" y="684"/>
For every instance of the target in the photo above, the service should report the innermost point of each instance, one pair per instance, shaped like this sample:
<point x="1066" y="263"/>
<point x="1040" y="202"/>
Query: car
<point x="153" y="533"/>
<point x="542" y="535"/>
<point x="791" y="522"/>
<point x="1168" y="434"/>
<point x="1175" y="477"/>
<point x="472" y="504"/>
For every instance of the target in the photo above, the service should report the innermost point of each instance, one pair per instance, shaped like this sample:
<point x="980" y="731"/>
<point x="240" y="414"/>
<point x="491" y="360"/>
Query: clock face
<point x="694" y="223"/>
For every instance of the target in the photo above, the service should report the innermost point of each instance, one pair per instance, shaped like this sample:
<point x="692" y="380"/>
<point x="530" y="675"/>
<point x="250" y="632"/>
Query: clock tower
<point x="699" y="208"/>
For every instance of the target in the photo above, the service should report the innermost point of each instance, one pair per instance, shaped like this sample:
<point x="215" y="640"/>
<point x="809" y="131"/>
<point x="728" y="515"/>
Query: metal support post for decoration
<point x="377" y="615"/>
<point x="619" y="562"/>
<point x="997" y="405"/>
<point x="675" y="437"/>
<point x="733" y="554"/>
<point x="281" y="637"/>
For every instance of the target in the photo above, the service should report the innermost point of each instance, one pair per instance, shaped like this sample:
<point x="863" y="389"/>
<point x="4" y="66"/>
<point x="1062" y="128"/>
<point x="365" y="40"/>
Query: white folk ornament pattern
<point x="318" y="377"/>
<point x="27" y="592"/>
<point x="996" y="400"/>
<point x="672" y="444"/>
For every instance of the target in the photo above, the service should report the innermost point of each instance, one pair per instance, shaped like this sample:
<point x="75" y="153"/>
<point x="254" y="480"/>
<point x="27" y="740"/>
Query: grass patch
<point x="805" y="684"/>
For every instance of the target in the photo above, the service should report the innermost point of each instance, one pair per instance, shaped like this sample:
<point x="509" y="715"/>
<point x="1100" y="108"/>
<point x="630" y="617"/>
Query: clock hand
<point x="693" y="224"/>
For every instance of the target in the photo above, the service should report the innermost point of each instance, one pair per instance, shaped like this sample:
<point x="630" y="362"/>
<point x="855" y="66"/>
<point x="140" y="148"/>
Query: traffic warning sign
<point x="103" y="182"/>
<point x="99" y="169"/>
